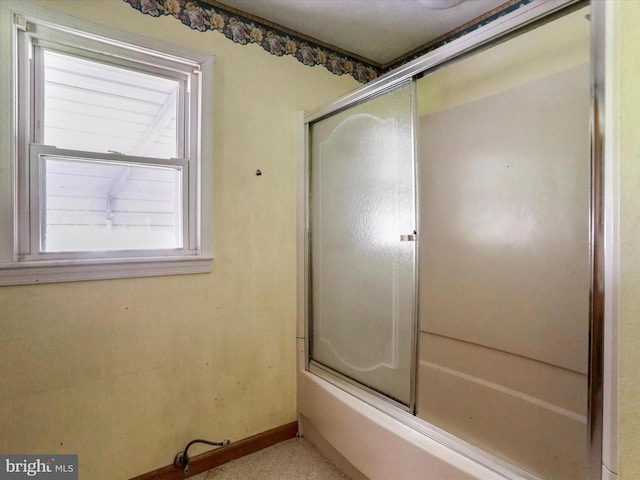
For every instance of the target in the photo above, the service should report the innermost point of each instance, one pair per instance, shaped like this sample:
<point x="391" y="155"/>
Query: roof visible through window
<point x="96" y="107"/>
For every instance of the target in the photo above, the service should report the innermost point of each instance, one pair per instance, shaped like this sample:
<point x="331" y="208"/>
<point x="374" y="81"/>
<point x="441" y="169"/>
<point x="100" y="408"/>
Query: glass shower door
<point x="363" y="243"/>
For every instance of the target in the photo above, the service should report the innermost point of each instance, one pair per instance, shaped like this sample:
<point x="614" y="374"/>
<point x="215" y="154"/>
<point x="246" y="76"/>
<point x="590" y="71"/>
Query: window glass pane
<point x="94" y="205"/>
<point x="95" y="107"/>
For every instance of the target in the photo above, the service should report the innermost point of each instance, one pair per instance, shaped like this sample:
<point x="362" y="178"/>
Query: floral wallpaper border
<point x="202" y="16"/>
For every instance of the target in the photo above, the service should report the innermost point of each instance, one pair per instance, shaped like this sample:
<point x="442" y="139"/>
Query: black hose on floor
<point x="181" y="459"/>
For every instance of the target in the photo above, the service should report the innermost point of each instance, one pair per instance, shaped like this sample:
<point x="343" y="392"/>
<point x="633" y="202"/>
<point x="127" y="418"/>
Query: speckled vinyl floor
<point x="294" y="459"/>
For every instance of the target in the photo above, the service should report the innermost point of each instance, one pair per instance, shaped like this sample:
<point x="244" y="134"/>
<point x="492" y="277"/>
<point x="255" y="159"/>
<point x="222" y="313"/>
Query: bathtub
<point x="366" y="441"/>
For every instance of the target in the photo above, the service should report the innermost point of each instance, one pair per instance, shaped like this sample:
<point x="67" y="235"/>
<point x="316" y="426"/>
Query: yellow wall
<point x="126" y="372"/>
<point x="628" y="104"/>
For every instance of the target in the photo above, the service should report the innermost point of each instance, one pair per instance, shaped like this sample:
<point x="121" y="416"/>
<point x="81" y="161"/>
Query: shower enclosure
<point x="449" y="250"/>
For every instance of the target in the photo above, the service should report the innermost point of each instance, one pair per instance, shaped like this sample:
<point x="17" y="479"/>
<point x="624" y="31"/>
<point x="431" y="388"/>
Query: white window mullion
<point x="183" y="121"/>
<point x="36" y="176"/>
<point x="37" y="104"/>
<point x="36" y="125"/>
<point x="184" y="236"/>
<point x="193" y="145"/>
<point x="25" y="114"/>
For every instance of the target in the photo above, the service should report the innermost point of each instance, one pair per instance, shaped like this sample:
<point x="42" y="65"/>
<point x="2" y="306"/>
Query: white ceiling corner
<point x="378" y="30"/>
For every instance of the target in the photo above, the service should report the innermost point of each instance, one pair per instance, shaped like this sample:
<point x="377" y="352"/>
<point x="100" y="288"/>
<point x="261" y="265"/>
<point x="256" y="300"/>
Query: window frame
<point x="26" y="31"/>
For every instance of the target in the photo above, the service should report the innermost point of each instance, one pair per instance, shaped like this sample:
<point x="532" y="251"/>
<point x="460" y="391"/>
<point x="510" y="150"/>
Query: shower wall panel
<point x="504" y="272"/>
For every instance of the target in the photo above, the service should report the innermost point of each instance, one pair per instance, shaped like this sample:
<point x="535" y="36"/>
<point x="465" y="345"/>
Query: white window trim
<point x="13" y="270"/>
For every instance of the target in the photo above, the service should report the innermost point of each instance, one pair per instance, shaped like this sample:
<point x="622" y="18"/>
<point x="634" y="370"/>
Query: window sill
<point x="83" y="270"/>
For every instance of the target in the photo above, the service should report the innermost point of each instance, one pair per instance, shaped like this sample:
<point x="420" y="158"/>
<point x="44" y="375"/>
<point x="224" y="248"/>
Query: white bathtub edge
<point x="376" y="444"/>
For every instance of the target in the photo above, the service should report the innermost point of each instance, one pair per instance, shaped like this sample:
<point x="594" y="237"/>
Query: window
<point x="112" y="172"/>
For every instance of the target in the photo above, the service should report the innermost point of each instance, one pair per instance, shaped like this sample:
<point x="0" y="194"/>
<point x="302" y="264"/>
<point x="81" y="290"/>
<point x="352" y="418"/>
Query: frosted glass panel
<point x="362" y="243"/>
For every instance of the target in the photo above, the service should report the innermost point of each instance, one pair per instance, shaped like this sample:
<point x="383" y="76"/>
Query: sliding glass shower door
<point x="363" y="243"/>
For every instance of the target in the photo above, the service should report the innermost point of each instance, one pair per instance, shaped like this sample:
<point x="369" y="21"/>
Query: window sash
<point x="184" y="109"/>
<point x="30" y="249"/>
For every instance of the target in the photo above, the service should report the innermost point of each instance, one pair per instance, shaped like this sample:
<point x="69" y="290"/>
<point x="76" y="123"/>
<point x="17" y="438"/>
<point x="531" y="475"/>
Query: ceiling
<point x="380" y="31"/>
